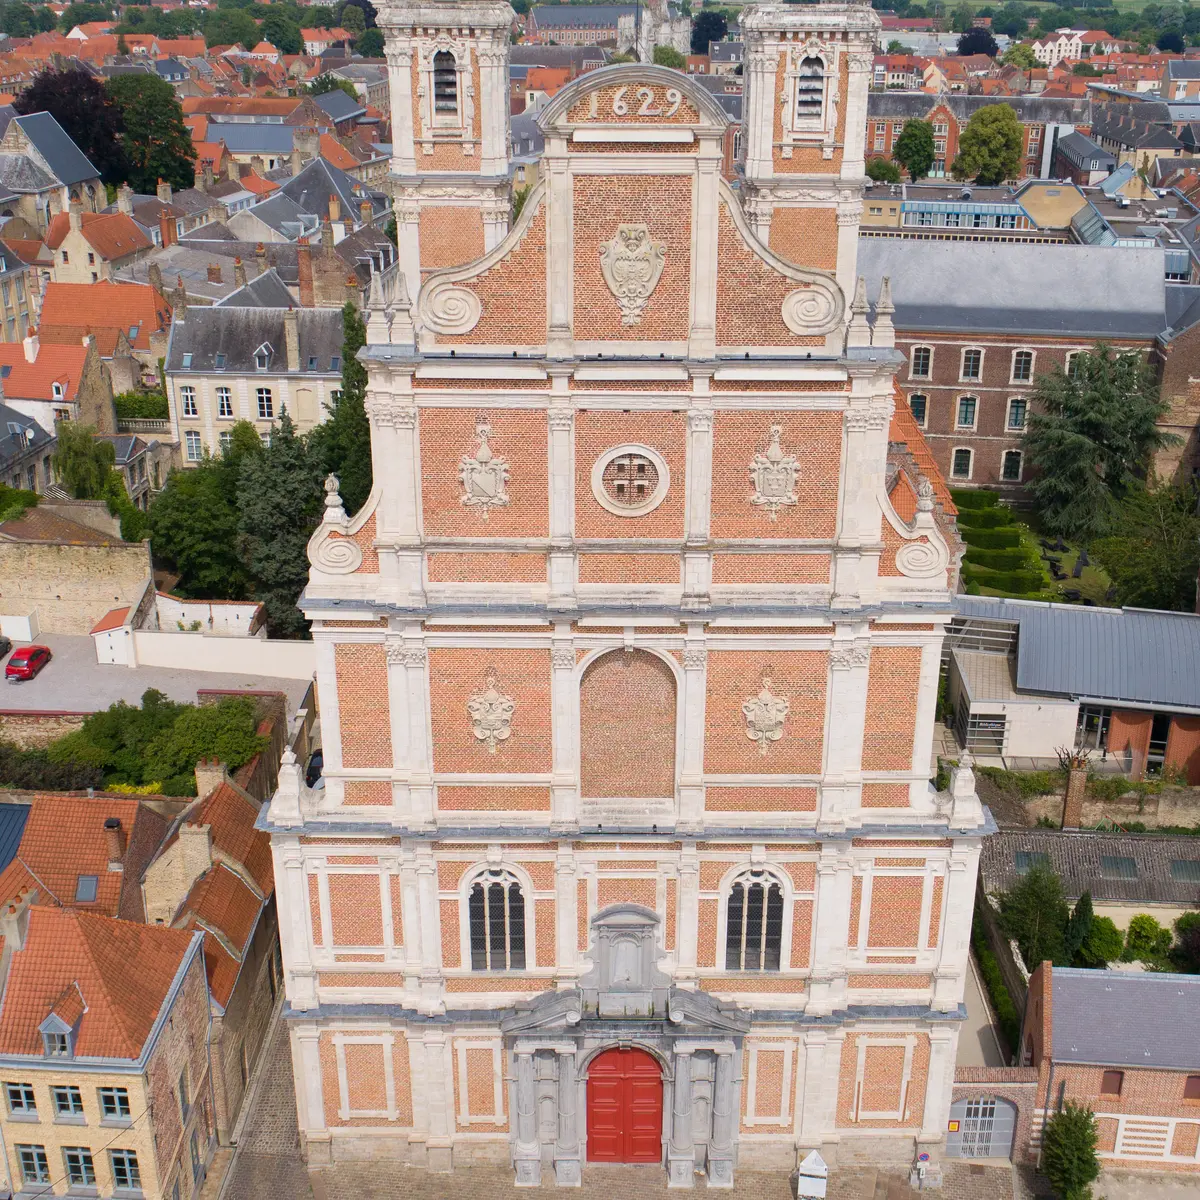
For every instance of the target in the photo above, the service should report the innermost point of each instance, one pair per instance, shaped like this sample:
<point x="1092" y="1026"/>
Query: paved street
<point x="268" y="1166"/>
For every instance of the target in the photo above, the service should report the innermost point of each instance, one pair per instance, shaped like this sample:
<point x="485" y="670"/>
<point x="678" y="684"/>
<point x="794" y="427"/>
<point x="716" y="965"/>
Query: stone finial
<point x="925" y="504"/>
<point x="884" y="333"/>
<point x="858" y="332"/>
<point x="400" y="305"/>
<point x="334" y="512"/>
<point x="286" y="806"/>
<point x="966" y="811"/>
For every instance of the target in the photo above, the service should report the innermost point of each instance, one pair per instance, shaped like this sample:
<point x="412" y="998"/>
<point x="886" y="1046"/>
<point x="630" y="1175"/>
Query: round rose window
<point x="630" y="480"/>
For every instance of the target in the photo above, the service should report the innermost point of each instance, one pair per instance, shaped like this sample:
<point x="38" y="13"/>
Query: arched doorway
<point x="981" y="1127"/>
<point x="624" y="1107"/>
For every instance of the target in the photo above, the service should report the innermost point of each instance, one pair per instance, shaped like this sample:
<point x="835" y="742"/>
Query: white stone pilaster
<point x="310" y="1096"/>
<point x="927" y="690"/>
<point x="827" y="982"/>
<point x="295" y="930"/>
<point x="564" y="699"/>
<point x="566" y="916"/>
<point x="939" y="1083"/>
<point x="691" y="775"/>
<point x="688" y="918"/>
<point x="399" y="60"/>
<point x="864" y="460"/>
<point x="412" y="659"/>
<point x="561" y="420"/>
<point x="958" y="903"/>
<point x="841" y="783"/>
<point x="439" y="1098"/>
<point x="559" y="254"/>
<point x="702" y="336"/>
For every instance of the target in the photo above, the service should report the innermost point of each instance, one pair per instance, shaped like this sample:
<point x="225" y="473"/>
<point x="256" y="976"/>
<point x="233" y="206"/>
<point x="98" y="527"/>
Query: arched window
<point x="496" y="911"/>
<point x="1022" y="366"/>
<point x="754" y="923"/>
<point x="810" y="92"/>
<point x="445" y="84"/>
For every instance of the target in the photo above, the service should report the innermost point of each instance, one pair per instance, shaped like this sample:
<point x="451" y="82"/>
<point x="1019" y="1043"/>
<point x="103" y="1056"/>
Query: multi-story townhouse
<point x="627" y="849"/>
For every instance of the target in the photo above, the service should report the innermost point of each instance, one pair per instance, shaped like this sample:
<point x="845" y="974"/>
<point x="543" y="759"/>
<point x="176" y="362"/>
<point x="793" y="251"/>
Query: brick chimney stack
<point x="239" y="272"/>
<point x="305" y="271"/>
<point x="166" y="228"/>
<point x="164" y="191"/>
<point x="114" y="840"/>
<point x="31" y="344"/>
<point x="210" y="774"/>
<point x="214" y="273"/>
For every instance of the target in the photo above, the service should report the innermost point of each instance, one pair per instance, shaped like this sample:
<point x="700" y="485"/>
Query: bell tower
<point x="808" y="71"/>
<point x="448" y="75"/>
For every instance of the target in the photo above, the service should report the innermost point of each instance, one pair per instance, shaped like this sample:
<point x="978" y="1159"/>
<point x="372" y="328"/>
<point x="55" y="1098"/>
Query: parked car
<point x="5" y="646"/>
<point x="316" y="768"/>
<point x="26" y="663"/>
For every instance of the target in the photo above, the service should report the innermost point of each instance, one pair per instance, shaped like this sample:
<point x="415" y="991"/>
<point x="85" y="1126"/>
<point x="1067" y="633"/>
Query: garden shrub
<point x="997" y="560"/>
<point x="141" y="406"/>
<point x="1006" y="1011"/>
<point x="1005" y="538"/>
<point x="974" y="498"/>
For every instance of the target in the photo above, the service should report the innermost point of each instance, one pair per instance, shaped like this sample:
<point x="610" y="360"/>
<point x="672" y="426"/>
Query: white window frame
<point x="963" y="377"/>
<point x="1021" y="473"/>
<point x="815" y="128"/>
<point x="1069" y="360"/>
<point x="1008" y="425"/>
<point x="970" y="470"/>
<point x="225" y="394"/>
<point x="326" y="949"/>
<point x="1012" y="370"/>
<point x="259" y="394"/>
<point x="528" y="893"/>
<point x="912" y="363"/>
<point x="858" y="1113"/>
<point x="787" y="1083"/>
<point x="924" y="420"/>
<point x="187" y="396"/>
<point x="958" y="409"/>
<point x="191" y="437"/>
<point x="744" y="875"/>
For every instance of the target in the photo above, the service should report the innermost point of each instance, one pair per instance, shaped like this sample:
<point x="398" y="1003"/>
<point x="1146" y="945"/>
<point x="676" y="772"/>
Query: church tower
<point x="448" y="73"/>
<point x="807" y="73"/>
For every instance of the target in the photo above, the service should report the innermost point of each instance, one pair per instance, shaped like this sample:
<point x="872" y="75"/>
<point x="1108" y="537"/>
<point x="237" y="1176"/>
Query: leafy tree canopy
<point x="370" y="44"/>
<point x="230" y="27"/>
<point x="1102" y="945"/>
<point x="82" y="462"/>
<point x="364" y="6"/>
<point x="81" y="14"/>
<point x="1069" y="1152"/>
<point x="329" y="83"/>
<point x="353" y="19"/>
<point x="1019" y="55"/>
<point x="157" y="143"/>
<point x="710" y="25"/>
<point x="79" y="102"/>
<point x="282" y="32"/>
<point x="883" y="170"/>
<point x="1035" y="915"/>
<point x="226" y="731"/>
<point x="668" y="56"/>
<point x="978" y="41"/>
<point x="895" y="47"/>
<point x="1090" y="436"/>
<point x="914" y="149"/>
<point x="961" y="18"/>
<point x="1171" y="41"/>
<point x="989" y="150"/>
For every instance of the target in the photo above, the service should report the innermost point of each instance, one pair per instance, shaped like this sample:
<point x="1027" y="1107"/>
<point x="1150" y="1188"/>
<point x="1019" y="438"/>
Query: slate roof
<point x="238" y="333"/>
<point x="1146" y="130"/>
<point x="19" y="174"/>
<point x="1076" y="859"/>
<point x="14" y="446"/>
<point x="65" y="949"/>
<point x="579" y="16"/>
<point x="282" y="214"/>
<point x="1085" y="291"/>
<point x="1081" y="151"/>
<point x="339" y="106"/>
<point x="1036" y="109"/>
<point x="1136" y="656"/>
<point x="62" y="156"/>
<point x="1183" y="68"/>
<point x="318" y="180"/>
<point x="252" y="137"/>
<point x="1116" y="1019"/>
<point x="265" y="291"/>
<point x="12" y="825"/>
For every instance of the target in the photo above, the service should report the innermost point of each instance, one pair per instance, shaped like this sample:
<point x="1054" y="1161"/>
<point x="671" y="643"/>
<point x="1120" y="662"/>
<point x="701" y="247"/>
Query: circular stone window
<point x="630" y="481"/>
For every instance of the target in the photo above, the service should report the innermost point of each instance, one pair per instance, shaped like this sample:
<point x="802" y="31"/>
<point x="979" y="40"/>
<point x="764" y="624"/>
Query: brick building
<point x="627" y="849"/>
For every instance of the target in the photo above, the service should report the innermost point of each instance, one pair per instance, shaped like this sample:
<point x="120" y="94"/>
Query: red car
<point x="26" y="662"/>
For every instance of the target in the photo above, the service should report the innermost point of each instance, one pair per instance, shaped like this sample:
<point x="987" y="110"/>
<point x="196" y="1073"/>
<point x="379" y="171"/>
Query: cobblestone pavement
<point x="268" y="1166"/>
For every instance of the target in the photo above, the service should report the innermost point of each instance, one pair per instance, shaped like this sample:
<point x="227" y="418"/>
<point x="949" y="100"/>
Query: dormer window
<point x="58" y="390"/>
<point x="262" y="357"/>
<point x="219" y="362"/>
<point x="58" y="1045"/>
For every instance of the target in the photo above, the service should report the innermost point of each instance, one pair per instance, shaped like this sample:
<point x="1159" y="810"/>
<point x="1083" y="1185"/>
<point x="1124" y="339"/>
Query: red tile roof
<point x="37" y="525"/>
<point x="334" y="153"/>
<point x="105" y="309"/>
<point x="231" y="814"/>
<point x="111" y="620"/>
<point x="227" y="911"/>
<point x="905" y="430"/>
<point x="35" y="380"/>
<point x="111" y="235"/>
<point x="257" y="185"/>
<point x="67" y="951"/>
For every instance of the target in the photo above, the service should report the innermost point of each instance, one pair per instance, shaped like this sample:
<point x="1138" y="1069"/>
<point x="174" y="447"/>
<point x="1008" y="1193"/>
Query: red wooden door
<point x="625" y="1099"/>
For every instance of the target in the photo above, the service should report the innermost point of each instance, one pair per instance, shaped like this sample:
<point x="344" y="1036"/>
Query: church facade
<point x="627" y="849"/>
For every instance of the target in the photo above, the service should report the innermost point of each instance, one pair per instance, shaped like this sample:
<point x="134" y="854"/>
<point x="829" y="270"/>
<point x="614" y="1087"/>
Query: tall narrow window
<point x="810" y="92"/>
<point x="497" y="920"/>
<point x="1010" y="467"/>
<point x="1022" y="368"/>
<point x="754" y="924"/>
<point x="445" y="84"/>
<point x="922" y="359"/>
<point x="918" y="405"/>
<point x="972" y="364"/>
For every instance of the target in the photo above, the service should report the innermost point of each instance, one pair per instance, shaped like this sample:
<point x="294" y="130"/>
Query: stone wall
<point x="1171" y="806"/>
<point x="34" y="729"/>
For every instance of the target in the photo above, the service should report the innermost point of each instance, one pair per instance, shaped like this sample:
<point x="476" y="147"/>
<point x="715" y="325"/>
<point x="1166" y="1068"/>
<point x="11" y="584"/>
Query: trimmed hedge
<point x="974" y="498"/>
<point x="1006" y="1011"/>
<point x="990" y="539"/>
<point x="986" y="518"/>
<point x="997" y="560"/>
<point x="144" y="406"/>
<point x="1004" y="581"/>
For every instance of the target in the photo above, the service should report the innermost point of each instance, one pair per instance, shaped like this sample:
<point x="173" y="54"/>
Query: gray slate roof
<point x="239" y="332"/>
<point x="1081" y="151"/>
<point x="252" y="137"/>
<point x="1132" y="656"/>
<point x="1075" y="859"/>
<point x="339" y="106"/>
<point x="311" y="188"/>
<point x="1111" y="1018"/>
<point x="579" y="16"/>
<point x="20" y="175"/>
<point x="1183" y="68"/>
<point x="1088" y="291"/>
<point x="64" y="158"/>
<point x="13" y="446"/>
<point x="1037" y="109"/>
<point x="265" y="291"/>
<point x="282" y="214"/>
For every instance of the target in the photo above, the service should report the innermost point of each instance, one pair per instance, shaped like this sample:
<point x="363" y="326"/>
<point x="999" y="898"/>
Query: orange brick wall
<point x="630" y="568"/>
<point x="544" y="919"/>
<point x="802" y="912"/>
<point x="627" y="726"/>
<point x="885" y="795"/>
<point x="882" y="1073"/>
<point x="368" y="793"/>
<point x="706" y="937"/>
<point x="760" y="799"/>
<point x="519" y="436"/>
<point x="806" y="236"/>
<point x="768" y="1083"/>
<point x="364" y="708"/>
<point x="597" y="431"/>
<point x="815" y="438"/>
<point x="891" y="708"/>
<point x="664" y="204"/>
<point x="492" y="799"/>
<point x="451" y="955"/>
<point x="628" y="891"/>
<point x="736" y="675"/>
<point x="1183" y="747"/>
<point x="895" y="919"/>
<point x="457" y="566"/>
<point x="935" y="913"/>
<point x="771" y="568"/>
<point x="455" y="675"/>
<point x="314" y="909"/>
<point x="365" y="1085"/>
<point x="355" y="910"/>
<point x="583" y="112"/>
<point x="450" y="234"/>
<point x="810" y="159"/>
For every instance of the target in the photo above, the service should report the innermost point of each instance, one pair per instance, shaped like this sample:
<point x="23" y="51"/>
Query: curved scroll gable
<point x="917" y="551"/>
<point x="341" y="546"/>
<point x="449" y="306"/>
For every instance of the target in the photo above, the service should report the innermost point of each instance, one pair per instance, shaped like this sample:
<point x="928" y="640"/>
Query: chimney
<point x="327" y="235"/>
<point x="114" y="840"/>
<point x="14" y="921"/>
<point x="335" y="207"/>
<point x="260" y="257"/>
<point x="257" y="165"/>
<point x="31" y="344"/>
<point x="154" y="274"/>
<point x="306" y="143"/>
<point x="178" y="299"/>
<point x="206" y="176"/>
<point x="232" y="170"/>
<point x="239" y="272"/>
<point x="195" y="851"/>
<point x="214" y="273"/>
<point x="304" y="268"/>
<point x="166" y="228"/>
<point x="125" y="199"/>
<point x="75" y="215"/>
<point x="291" y="339"/>
<point x="164" y="191"/>
<point x="210" y="774"/>
<point x="364" y="212"/>
<point x="294" y="163"/>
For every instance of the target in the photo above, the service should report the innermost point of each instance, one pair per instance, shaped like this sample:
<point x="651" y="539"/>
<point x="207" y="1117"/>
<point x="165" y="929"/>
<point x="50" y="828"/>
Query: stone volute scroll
<point x="925" y="553"/>
<point x="765" y="714"/>
<point x="483" y="475"/>
<point x="331" y="549"/>
<point x="491" y="715"/>
<point x="632" y="264"/>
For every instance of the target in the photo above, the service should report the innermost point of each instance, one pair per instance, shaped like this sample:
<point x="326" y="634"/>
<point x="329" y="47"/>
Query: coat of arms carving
<point x="765" y="714"/>
<point x="632" y="264"/>
<point x="774" y="475"/>
<point x="491" y="715"/>
<point x="484" y="474"/>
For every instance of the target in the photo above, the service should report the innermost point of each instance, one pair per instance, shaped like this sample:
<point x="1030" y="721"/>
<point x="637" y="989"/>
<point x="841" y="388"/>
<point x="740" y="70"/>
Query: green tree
<point x="1186" y="951"/>
<point x="342" y="444"/>
<point x="989" y="150"/>
<point x="157" y="143"/>
<point x="81" y="462"/>
<point x="1103" y="945"/>
<point x="978" y="41"/>
<point x="961" y="18"/>
<point x="226" y="731"/>
<point x="895" y="47"/>
<point x="133" y="519"/>
<point x="116" y="738"/>
<point x="1087" y="70"/>
<point x="1035" y="915"/>
<point x="710" y="25"/>
<point x="281" y="31"/>
<point x="668" y="56"/>
<point x="328" y="83"/>
<point x="353" y="20"/>
<point x="1078" y="927"/>
<point x="279" y="502"/>
<point x="230" y="27"/>
<point x="1090" y="435"/>
<point x="370" y="44"/>
<point x="1146" y="940"/>
<point x="1069" y="1152"/>
<point x="1170" y="41"/>
<point x="1020" y="54"/>
<point x="883" y="170"/>
<point x="81" y="14"/>
<point x="1153" y="552"/>
<point x="914" y="149"/>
